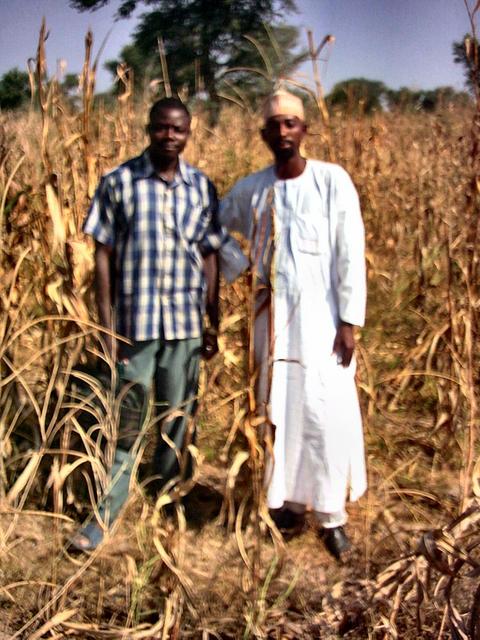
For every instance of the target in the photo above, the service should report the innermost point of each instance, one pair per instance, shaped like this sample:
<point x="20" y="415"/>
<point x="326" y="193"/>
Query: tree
<point x="405" y="99"/>
<point x="70" y="84"/>
<point x="202" y="38"/>
<point x="256" y="62"/>
<point x="124" y="11"/>
<point x="443" y="97"/>
<point x="14" y="89"/>
<point x="133" y="60"/>
<point x="260" y="60"/>
<point x="467" y="53"/>
<point x="70" y="90"/>
<point x="358" y="95"/>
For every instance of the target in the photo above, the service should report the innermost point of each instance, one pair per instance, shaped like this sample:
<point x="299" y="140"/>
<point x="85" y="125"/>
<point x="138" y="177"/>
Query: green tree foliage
<point x="133" y="60"/>
<point x="69" y="88"/>
<point x="259" y="60"/>
<point x="255" y="63"/>
<point x="14" y="89"/>
<point x="405" y="99"/>
<point x="125" y="9"/>
<point x="467" y="53"/>
<point x="442" y="97"/>
<point x="357" y="95"/>
<point x="70" y="83"/>
<point x="362" y="96"/>
<point x="202" y="38"/>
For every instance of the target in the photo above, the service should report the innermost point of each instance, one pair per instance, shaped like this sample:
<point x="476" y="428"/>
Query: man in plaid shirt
<point x="154" y="221"/>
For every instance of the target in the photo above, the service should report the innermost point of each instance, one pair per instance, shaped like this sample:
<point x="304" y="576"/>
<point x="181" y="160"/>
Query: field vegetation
<point x="203" y="559"/>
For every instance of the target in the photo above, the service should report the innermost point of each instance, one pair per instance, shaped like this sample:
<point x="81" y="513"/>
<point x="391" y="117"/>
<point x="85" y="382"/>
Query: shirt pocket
<point x="169" y="226"/>
<point x="195" y="224"/>
<point x="313" y="254"/>
<point x="309" y="245"/>
<point x="311" y="235"/>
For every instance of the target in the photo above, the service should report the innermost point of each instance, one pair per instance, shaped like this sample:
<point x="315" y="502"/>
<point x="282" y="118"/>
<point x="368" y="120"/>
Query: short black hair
<point x="168" y="103"/>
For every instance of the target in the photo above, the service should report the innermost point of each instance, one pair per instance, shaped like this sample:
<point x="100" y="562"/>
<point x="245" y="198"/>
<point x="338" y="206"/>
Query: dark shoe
<point x="287" y="520"/>
<point x="335" y="541"/>
<point x="88" y="538"/>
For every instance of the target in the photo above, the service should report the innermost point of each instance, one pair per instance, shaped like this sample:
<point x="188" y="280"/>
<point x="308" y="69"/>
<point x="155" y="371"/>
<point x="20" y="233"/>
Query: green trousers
<point x="173" y="366"/>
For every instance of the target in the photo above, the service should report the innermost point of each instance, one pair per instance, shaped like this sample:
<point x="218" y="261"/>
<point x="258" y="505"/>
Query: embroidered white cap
<point x="283" y="103"/>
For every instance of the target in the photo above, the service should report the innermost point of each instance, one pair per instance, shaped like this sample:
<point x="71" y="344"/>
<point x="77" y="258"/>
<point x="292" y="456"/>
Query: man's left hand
<point x="210" y="344"/>
<point x="344" y="344"/>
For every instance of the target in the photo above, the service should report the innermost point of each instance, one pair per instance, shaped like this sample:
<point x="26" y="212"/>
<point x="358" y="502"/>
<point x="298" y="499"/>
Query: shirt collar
<point x="144" y="169"/>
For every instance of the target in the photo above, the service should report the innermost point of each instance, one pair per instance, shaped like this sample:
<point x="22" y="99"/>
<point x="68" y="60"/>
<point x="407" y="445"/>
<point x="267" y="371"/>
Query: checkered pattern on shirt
<point x="159" y="232"/>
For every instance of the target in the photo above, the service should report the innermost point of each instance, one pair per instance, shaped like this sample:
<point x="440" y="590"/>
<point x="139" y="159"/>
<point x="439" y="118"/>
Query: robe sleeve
<point x="350" y="252"/>
<point x="234" y="216"/>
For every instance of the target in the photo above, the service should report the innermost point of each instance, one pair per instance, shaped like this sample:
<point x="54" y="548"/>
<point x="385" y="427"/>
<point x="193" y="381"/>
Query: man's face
<point x="168" y="130"/>
<point x="283" y="134"/>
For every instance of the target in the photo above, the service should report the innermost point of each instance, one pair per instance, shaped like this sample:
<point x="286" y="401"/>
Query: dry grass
<point x="213" y="566"/>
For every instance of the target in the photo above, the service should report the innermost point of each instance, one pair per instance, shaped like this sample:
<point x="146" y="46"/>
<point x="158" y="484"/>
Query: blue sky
<point x="400" y="42"/>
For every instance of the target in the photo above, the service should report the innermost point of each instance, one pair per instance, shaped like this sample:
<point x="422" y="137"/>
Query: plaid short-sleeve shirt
<point x="159" y="232"/>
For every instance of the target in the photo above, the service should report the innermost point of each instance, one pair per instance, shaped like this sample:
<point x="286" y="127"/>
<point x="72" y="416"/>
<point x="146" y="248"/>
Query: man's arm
<point x="350" y="255"/>
<point x="100" y="225"/>
<point x="103" y="292"/>
<point x="210" y="341"/>
<point x="234" y="215"/>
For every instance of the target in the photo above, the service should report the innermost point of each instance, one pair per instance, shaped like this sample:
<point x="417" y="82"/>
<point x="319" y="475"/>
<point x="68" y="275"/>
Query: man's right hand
<point x="344" y="343"/>
<point x="210" y="344"/>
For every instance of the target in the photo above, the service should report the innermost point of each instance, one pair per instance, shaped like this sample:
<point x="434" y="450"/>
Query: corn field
<point x="204" y="559"/>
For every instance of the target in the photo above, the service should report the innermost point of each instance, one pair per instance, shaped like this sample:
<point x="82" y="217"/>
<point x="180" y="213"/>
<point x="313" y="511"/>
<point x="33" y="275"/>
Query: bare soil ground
<point x="303" y="592"/>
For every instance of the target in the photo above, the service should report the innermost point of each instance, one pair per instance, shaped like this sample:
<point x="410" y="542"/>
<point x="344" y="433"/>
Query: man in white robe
<point x="306" y="214"/>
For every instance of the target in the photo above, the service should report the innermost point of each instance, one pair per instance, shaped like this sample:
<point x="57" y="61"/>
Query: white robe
<point x="319" y="277"/>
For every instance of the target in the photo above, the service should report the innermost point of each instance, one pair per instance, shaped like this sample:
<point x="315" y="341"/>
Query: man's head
<point x="168" y="128"/>
<point x="284" y="127"/>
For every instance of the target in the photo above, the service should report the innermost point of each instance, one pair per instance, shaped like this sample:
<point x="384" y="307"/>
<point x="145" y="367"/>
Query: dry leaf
<point x="58" y="223"/>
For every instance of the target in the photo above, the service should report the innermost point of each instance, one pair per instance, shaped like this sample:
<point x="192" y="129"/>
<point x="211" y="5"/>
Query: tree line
<point x="361" y="96"/>
<point x="234" y="49"/>
<point x="355" y="96"/>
